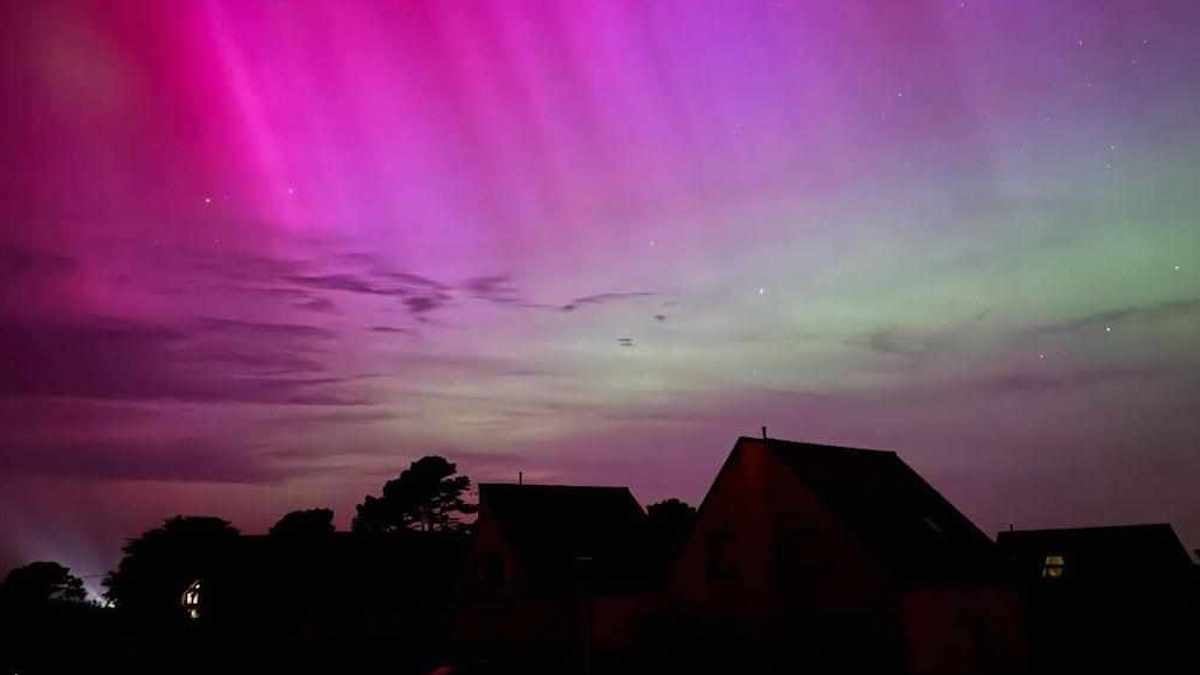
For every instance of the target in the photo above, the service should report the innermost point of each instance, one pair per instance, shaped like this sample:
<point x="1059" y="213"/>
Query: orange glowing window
<point x="1053" y="567"/>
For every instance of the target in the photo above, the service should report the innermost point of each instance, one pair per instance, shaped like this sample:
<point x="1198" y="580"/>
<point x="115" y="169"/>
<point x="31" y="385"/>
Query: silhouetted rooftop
<point x="918" y="534"/>
<point x="556" y="528"/>
<point x="1133" y="552"/>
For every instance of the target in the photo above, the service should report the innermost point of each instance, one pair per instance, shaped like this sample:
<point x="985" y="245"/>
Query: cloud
<point x="392" y="329"/>
<point x="422" y="304"/>
<point x="212" y="360"/>
<point x="255" y="329"/>
<point x="323" y="305"/>
<point x="419" y="295"/>
<point x="183" y="460"/>
<point x="897" y="341"/>
<point x="344" y="282"/>
<point x="378" y="268"/>
<point x="497" y="288"/>
<point x="258" y="362"/>
<point x="602" y="298"/>
<point x="414" y="280"/>
<point x="1099" y="321"/>
<point x="227" y="265"/>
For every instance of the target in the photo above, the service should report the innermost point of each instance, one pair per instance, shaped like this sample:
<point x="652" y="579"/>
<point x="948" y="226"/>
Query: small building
<point x="1119" y="597"/>
<point x="556" y="575"/>
<point x="837" y="559"/>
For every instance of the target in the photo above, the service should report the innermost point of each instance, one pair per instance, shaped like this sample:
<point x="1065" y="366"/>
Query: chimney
<point x="520" y="478"/>
<point x="764" y="433"/>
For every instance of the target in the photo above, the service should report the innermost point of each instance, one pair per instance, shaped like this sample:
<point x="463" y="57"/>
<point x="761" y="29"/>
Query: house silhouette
<point x="1120" y="597"/>
<point x="554" y="573"/>
<point x="812" y="556"/>
<point x="843" y="558"/>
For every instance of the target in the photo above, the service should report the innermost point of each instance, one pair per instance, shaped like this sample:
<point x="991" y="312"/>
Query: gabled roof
<point x="562" y="531"/>
<point x="1140" y="552"/>
<point x="913" y="530"/>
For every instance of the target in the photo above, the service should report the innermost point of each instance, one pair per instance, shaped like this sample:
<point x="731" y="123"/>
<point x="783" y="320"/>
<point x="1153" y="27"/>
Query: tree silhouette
<point x="40" y="583"/>
<point x="46" y="623"/>
<point x="670" y="522"/>
<point x="306" y="523"/>
<point x="162" y="562"/>
<point x="426" y="497"/>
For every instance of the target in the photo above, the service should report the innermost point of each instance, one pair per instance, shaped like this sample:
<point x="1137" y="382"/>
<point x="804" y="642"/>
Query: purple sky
<point x="260" y="256"/>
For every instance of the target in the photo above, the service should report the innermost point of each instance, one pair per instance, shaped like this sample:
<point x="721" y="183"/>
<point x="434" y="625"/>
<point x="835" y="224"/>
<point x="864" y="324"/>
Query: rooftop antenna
<point x="520" y="478"/>
<point x="764" y="433"/>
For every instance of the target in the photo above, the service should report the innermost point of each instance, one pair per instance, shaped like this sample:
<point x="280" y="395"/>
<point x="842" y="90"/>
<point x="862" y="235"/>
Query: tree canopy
<point x="42" y="582"/>
<point x="426" y="497"/>
<point x="670" y="521"/>
<point x="160" y="563"/>
<point x="305" y="523"/>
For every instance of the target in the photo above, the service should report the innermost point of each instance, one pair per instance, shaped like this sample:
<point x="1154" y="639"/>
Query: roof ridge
<point x="1086" y="528"/>
<point x="817" y="446"/>
<point x="554" y="485"/>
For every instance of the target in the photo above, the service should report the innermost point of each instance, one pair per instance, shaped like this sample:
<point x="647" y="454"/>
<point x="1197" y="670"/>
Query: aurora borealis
<point x="260" y="256"/>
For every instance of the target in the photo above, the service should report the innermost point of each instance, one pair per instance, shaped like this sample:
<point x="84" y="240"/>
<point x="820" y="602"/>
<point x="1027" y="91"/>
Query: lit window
<point x="1053" y="566"/>
<point x="191" y="600"/>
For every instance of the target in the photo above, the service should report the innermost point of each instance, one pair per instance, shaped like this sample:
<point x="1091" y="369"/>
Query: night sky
<point x="260" y="256"/>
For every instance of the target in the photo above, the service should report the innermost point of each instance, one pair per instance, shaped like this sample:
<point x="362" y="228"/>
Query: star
<point x="762" y="291"/>
<point x="208" y="200"/>
<point x="1108" y="329"/>
<point x="1041" y="356"/>
<point x="1177" y="268"/>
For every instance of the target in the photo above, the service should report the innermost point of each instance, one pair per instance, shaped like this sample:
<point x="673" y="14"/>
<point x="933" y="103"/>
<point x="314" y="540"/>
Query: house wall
<point x="615" y="620"/>
<point x="963" y="629"/>
<point x="486" y="611"/>
<point x="511" y="620"/>
<point x="490" y="541"/>
<point x="787" y="554"/>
